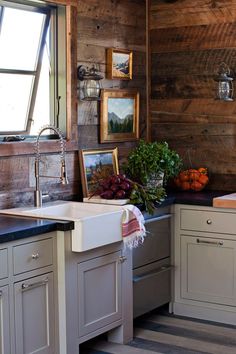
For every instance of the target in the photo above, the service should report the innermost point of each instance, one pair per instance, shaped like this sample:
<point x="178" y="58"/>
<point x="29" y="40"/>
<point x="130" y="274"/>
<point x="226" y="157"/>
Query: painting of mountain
<point x="120" y="115"/>
<point x="120" y="65"/>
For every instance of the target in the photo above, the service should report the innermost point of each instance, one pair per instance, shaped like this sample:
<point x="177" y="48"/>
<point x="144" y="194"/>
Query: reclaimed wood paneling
<point x="165" y="14"/>
<point x="188" y="41"/>
<point x="101" y="25"/>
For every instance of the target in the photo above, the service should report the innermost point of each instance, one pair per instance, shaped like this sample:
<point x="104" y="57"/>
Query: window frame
<point x="26" y="147"/>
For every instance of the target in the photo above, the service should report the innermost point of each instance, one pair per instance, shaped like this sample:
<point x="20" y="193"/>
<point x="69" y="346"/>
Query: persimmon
<point x="203" y="179"/>
<point x="185" y="186"/>
<point x="184" y="176"/>
<point x="194" y="174"/>
<point x="196" y="186"/>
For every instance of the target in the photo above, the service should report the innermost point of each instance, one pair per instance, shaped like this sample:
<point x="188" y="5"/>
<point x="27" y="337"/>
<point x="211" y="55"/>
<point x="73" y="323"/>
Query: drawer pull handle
<point x="0" y="293"/>
<point x="217" y="243"/>
<point x="26" y="286"/>
<point x="122" y="259"/>
<point x="209" y="222"/>
<point x="35" y="256"/>
<point x="162" y="269"/>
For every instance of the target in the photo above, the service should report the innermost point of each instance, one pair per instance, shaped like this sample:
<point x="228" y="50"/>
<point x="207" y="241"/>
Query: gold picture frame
<point x="119" y="115"/>
<point x="95" y="165"/>
<point x="119" y="64"/>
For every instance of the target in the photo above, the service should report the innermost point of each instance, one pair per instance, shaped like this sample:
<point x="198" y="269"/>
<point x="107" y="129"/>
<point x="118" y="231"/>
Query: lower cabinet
<point x="28" y="302"/>
<point x="208" y="268"/>
<point x="205" y="263"/>
<point x="34" y="315"/>
<point x="99" y="297"/>
<point x="4" y="321"/>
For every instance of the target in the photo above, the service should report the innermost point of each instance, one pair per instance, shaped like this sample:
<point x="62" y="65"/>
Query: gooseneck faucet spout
<point x="62" y="177"/>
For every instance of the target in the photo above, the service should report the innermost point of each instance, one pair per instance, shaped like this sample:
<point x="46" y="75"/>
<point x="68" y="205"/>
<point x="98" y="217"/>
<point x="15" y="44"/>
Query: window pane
<point x="22" y="29"/>
<point x="41" y="114"/>
<point x="15" y="91"/>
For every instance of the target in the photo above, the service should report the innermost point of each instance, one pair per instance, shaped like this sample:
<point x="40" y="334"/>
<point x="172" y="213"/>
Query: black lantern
<point x="90" y="86"/>
<point x="225" y="83"/>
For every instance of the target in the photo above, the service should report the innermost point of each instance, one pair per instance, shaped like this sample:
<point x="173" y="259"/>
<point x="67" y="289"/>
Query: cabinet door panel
<point x="99" y="282"/>
<point x="34" y="315"/>
<point x="208" y="268"/>
<point x="4" y="321"/>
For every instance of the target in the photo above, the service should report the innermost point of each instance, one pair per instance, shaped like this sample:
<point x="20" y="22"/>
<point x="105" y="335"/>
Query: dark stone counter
<point x="204" y="198"/>
<point x="17" y="227"/>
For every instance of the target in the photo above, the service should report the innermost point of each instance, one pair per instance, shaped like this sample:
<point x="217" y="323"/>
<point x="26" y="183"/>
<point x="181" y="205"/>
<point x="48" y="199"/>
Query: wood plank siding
<point x="110" y="24"/>
<point x="188" y="41"/>
<point x="96" y="25"/>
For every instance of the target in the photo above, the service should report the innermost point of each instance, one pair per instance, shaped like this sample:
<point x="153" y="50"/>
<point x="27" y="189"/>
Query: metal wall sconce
<point x="90" y="85"/>
<point x="225" y="83"/>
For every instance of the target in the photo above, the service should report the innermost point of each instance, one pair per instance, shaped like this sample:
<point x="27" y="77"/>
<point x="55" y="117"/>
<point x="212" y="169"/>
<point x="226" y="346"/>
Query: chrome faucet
<point x="62" y="177"/>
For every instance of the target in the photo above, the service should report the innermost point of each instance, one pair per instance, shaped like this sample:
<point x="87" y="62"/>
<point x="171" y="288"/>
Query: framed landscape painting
<point x="119" y="64"/>
<point x="96" y="165"/>
<point x="119" y="116"/>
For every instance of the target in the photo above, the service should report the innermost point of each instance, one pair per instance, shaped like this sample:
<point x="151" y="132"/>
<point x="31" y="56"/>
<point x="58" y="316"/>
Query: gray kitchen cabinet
<point x="27" y="299"/>
<point x="208" y="270"/>
<point x="205" y="263"/>
<point x="34" y="315"/>
<point x="99" y="297"/>
<point x="4" y="321"/>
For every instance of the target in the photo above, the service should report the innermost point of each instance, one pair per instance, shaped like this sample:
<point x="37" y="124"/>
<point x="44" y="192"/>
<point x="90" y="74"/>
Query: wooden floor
<point x="163" y="333"/>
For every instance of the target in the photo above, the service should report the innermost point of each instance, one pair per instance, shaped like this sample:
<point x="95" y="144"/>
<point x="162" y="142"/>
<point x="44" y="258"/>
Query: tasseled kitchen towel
<point x="133" y="229"/>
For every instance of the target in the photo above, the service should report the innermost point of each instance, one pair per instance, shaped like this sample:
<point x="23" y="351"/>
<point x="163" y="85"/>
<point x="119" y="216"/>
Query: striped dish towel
<point x="133" y="229"/>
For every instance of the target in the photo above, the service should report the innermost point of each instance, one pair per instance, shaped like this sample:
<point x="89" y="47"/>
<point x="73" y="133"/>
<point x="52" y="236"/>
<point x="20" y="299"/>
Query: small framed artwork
<point x="96" y="165"/>
<point x="119" y="116"/>
<point x="119" y="64"/>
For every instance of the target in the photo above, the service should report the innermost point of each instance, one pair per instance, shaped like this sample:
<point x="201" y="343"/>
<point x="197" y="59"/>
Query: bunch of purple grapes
<point x="115" y="187"/>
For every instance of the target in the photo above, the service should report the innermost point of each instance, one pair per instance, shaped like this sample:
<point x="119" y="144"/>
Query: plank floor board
<point x="162" y="333"/>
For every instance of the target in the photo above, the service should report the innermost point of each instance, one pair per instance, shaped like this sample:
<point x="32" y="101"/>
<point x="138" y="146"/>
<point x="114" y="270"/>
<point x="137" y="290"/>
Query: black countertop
<point x="204" y="198"/>
<point x="17" y="227"/>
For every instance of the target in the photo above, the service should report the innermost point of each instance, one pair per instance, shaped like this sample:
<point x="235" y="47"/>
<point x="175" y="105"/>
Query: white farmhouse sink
<point x="95" y="225"/>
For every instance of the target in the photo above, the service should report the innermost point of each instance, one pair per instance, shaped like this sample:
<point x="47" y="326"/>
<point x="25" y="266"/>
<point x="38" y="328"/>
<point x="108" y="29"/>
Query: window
<point x="32" y="67"/>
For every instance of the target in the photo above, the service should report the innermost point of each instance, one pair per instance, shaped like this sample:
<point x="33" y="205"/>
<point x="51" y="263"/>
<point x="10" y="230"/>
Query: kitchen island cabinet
<point x="205" y="263"/>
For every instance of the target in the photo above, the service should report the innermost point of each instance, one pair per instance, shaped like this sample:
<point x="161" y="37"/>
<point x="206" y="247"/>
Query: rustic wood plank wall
<point x="110" y="24"/>
<point x="101" y="24"/>
<point x="188" y="41"/>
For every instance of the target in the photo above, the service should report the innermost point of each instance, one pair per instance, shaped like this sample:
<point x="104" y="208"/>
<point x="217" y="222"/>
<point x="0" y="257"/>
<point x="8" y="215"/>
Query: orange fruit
<point x="185" y="186"/>
<point x="194" y="174"/>
<point x="203" y="179"/>
<point x="184" y="176"/>
<point x="196" y="186"/>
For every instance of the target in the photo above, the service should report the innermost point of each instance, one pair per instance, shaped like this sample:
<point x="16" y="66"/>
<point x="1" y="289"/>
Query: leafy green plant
<point x="146" y="196"/>
<point x="148" y="158"/>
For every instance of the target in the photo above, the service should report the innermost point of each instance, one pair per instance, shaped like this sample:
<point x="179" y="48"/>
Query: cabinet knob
<point x="35" y="256"/>
<point x="209" y="222"/>
<point x="122" y="259"/>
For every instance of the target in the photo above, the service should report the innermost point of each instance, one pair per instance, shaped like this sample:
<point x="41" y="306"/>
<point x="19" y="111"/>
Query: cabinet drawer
<point x="208" y="221"/>
<point x="33" y="255"/>
<point x="157" y="243"/>
<point x="156" y="280"/>
<point x="3" y="263"/>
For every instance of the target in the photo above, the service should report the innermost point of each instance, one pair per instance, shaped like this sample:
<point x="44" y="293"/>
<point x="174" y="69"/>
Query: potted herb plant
<point x="149" y="159"/>
<point x="148" y="163"/>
